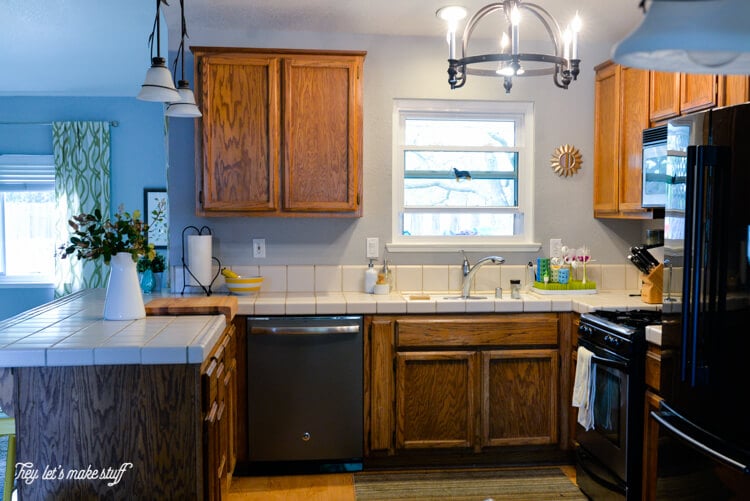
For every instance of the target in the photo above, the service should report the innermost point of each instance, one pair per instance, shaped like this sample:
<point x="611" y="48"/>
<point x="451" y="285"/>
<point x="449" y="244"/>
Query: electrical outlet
<point x="259" y="247"/>
<point x="373" y="245"/>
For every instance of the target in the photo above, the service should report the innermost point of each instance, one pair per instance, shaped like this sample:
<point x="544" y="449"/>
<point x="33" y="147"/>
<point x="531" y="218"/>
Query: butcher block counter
<point x="123" y="409"/>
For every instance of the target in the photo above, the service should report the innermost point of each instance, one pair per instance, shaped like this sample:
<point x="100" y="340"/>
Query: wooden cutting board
<point x="204" y="305"/>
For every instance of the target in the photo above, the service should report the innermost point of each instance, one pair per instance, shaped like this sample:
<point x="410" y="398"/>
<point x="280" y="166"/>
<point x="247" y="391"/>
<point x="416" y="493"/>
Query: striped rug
<point x="548" y="484"/>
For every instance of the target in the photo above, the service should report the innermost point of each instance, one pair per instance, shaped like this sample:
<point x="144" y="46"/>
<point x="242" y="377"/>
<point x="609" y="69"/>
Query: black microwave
<point x="654" y="184"/>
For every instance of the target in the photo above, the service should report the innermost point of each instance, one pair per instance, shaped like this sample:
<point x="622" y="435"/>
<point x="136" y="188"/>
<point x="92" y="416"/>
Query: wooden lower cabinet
<point x="167" y="426"/>
<point x="218" y="381"/>
<point x="470" y="384"/>
<point x="650" y="447"/>
<point x="436" y="399"/>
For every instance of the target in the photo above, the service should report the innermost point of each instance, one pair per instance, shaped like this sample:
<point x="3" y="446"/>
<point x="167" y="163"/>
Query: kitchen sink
<point x="428" y="297"/>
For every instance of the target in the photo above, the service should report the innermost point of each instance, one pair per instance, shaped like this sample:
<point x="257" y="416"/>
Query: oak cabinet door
<point x="606" y="139"/>
<point x="633" y="119"/>
<point x="322" y="133"/>
<point x="519" y="397"/>
<point x="436" y="395"/>
<point x="240" y="101"/>
<point x="735" y="90"/>
<point x="697" y="92"/>
<point x="665" y="96"/>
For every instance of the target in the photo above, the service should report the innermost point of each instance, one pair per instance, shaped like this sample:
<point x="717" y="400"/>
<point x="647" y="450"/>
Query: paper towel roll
<point x="199" y="259"/>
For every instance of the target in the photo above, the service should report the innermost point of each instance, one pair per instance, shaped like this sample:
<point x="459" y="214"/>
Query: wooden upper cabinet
<point x="664" y="102"/>
<point x="698" y="92"/>
<point x="606" y="138"/>
<point x="734" y="89"/>
<point x="239" y="97"/>
<point x="675" y="94"/>
<point x="633" y="119"/>
<point x="322" y="133"/>
<point x="281" y="132"/>
<point x="621" y="114"/>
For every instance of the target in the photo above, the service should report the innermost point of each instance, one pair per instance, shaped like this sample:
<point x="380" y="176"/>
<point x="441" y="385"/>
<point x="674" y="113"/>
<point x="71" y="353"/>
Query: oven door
<point x="607" y="440"/>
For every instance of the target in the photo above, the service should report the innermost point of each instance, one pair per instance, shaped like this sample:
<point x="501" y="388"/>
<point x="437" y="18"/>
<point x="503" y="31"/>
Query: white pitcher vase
<point x="124" y="300"/>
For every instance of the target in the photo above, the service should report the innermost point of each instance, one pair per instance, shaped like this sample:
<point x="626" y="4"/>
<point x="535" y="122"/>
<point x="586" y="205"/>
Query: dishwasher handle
<point x="304" y="329"/>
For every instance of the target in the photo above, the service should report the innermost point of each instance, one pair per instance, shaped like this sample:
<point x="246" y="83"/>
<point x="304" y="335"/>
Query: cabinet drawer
<point x="493" y="330"/>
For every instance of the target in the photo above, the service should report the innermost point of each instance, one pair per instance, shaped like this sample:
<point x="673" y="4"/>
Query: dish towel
<point x="584" y="388"/>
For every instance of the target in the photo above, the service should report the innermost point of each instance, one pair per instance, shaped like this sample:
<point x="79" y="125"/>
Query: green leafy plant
<point x="157" y="264"/>
<point x="94" y="236"/>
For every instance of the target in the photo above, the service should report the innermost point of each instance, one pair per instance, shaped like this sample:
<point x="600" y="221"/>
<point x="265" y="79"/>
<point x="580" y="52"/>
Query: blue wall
<point x="138" y="153"/>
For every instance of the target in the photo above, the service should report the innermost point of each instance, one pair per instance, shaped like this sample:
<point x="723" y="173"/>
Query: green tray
<point x="572" y="287"/>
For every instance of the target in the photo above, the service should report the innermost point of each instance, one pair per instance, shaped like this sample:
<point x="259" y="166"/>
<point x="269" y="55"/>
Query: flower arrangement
<point x="157" y="264"/>
<point x="94" y="236"/>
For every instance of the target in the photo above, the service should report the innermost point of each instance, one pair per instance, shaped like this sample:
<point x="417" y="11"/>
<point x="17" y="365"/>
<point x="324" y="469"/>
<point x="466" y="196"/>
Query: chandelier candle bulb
<point x="515" y="20"/>
<point x="576" y="26"/>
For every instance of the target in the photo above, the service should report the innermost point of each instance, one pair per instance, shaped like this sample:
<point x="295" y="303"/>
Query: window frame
<point x="13" y="168"/>
<point x="523" y="115"/>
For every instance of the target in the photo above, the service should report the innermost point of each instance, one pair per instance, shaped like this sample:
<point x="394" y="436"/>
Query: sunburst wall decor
<point x="566" y="160"/>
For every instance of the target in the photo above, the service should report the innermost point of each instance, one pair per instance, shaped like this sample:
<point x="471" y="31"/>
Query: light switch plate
<point x="259" y="247"/>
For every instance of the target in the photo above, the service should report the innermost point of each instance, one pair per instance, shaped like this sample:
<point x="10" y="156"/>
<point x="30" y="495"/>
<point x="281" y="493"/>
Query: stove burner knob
<point x="612" y="340"/>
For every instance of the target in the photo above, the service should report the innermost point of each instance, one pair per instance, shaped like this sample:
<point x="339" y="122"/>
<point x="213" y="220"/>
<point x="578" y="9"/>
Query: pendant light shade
<point x="158" y="84"/>
<point x="184" y="107"/>
<point x="690" y="36"/>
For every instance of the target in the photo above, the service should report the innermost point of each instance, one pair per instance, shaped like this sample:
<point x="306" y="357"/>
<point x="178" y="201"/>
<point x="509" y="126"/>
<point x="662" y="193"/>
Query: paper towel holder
<point x="203" y="230"/>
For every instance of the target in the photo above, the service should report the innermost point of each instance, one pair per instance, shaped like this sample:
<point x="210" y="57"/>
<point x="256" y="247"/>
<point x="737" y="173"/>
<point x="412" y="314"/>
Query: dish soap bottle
<point x="383" y="284"/>
<point x="371" y="276"/>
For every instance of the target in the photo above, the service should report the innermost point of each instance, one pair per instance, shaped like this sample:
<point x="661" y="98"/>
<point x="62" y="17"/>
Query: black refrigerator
<point x="704" y="422"/>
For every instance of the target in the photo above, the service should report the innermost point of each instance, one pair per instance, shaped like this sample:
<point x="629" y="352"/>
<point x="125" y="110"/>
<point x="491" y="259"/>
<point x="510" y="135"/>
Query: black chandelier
<point x="562" y="63"/>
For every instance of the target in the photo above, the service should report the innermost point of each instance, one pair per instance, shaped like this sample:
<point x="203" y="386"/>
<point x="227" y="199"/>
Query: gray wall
<point x="410" y="68"/>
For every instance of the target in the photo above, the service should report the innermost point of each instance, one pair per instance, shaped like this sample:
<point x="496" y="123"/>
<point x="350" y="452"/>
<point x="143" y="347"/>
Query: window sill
<point x="425" y="247"/>
<point x="25" y="283"/>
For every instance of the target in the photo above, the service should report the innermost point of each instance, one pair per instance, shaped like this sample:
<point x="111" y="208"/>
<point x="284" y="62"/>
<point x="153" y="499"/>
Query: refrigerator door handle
<point x="664" y="419"/>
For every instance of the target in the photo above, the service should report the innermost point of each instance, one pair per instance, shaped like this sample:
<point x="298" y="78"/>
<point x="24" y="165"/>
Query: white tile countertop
<point x="72" y="331"/>
<point x="332" y="303"/>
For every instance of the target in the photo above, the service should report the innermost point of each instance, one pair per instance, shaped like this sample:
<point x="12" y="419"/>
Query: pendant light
<point x="158" y="84"/>
<point x="690" y="36"/>
<point x="185" y="105"/>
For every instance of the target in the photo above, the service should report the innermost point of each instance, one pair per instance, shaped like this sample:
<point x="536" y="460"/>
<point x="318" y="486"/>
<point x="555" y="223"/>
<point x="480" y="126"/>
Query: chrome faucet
<point x="469" y="271"/>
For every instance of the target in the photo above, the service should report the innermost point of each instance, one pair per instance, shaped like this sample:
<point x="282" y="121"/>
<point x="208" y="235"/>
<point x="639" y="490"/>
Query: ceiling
<point x="605" y="21"/>
<point x="97" y="48"/>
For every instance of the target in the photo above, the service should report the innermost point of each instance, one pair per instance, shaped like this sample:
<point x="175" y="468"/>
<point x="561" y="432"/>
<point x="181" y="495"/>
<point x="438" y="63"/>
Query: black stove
<point x="609" y="454"/>
<point x="619" y="331"/>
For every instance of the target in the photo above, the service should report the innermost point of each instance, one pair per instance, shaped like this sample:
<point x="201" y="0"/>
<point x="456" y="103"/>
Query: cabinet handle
<point x="221" y="411"/>
<point x="211" y="416"/>
<point x="211" y="367"/>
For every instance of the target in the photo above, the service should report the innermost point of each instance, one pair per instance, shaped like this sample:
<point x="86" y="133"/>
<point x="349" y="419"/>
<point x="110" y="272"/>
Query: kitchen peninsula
<point x="119" y="409"/>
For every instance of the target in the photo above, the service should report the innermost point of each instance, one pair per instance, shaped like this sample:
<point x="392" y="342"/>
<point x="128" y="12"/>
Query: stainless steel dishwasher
<point x="305" y="385"/>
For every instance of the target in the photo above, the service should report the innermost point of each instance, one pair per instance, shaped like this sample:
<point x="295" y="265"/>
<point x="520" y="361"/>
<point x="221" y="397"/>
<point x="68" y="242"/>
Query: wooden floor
<point x="328" y="487"/>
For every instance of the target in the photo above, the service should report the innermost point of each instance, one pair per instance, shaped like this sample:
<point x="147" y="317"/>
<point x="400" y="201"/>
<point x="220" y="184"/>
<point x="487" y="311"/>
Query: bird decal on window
<point x="462" y="174"/>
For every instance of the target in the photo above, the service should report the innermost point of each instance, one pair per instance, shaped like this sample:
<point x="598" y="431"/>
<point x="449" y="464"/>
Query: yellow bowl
<point x="243" y="285"/>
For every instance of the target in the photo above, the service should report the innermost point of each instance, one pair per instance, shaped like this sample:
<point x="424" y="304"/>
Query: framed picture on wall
<point x="158" y="232"/>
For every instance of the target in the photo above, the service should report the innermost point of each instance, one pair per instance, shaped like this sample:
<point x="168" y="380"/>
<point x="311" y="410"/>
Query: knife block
<point x="651" y="285"/>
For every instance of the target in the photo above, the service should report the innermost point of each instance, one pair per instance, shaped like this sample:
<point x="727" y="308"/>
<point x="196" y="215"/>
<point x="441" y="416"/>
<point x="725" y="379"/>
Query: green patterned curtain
<point x="81" y="185"/>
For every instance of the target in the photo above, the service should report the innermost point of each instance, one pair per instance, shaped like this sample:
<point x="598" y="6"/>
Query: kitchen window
<point x="462" y="175"/>
<point x="27" y="218"/>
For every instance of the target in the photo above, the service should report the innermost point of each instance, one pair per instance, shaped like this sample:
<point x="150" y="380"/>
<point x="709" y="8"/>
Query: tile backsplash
<point x="323" y="279"/>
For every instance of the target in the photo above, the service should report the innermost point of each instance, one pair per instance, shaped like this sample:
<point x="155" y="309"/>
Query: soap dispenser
<point x="383" y="284"/>
<point x="371" y="277"/>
